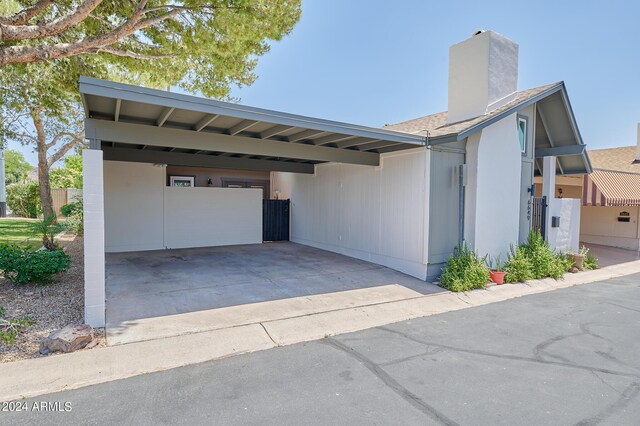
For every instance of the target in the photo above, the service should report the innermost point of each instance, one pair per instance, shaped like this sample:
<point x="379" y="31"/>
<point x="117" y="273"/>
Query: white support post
<point x="548" y="187"/>
<point x="94" y="267"/>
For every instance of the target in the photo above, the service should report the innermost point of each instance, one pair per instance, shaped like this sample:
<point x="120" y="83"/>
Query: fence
<point x="538" y="215"/>
<point x="62" y="196"/>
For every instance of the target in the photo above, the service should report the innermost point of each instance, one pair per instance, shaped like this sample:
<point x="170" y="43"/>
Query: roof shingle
<point x="620" y="159"/>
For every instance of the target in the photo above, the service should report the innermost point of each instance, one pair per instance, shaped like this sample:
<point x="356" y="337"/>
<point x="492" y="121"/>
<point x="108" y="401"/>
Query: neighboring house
<point x="610" y="197"/>
<point x="403" y="196"/>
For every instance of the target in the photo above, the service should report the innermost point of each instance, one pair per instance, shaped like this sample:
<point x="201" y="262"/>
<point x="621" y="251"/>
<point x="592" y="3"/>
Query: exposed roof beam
<point x="376" y="145"/>
<point x="559" y="151"/>
<point x="355" y="142"/>
<point x="332" y="139"/>
<point x="164" y="116"/>
<point x="183" y="159"/>
<point x="546" y="130"/>
<point x="275" y="130"/>
<point x="208" y="119"/>
<point x="139" y="134"/>
<point x="306" y="134"/>
<point x="242" y="126"/>
<point x="116" y="113"/>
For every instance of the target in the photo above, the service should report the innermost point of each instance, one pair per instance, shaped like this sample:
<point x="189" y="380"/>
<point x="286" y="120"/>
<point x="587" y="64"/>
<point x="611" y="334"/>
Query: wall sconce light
<point x="209" y="182"/>
<point x="559" y="192"/>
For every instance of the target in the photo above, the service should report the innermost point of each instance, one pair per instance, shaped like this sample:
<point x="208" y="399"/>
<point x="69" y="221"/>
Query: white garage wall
<point x="142" y="213"/>
<point x="203" y="217"/>
<point x="599" y="225"/>
<point x="376" y="214"/>
<point x="133" y="217"/>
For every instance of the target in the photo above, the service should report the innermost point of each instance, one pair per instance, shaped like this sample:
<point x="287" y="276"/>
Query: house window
<point x="522" y="134"/>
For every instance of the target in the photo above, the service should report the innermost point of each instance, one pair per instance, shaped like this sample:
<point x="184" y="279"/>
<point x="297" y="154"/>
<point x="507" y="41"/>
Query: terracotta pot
<point x="578" y="260"/>
<point x="497" y="277"/>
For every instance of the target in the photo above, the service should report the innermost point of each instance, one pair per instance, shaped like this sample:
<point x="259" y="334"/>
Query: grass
<point x="19" y="231"/>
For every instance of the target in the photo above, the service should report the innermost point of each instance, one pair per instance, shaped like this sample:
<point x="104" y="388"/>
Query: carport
<point x="131" y="212"/>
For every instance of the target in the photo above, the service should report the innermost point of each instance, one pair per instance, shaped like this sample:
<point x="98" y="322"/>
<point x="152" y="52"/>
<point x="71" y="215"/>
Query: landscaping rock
<point x="574" y="270"/>
<point x="68" y="339"/>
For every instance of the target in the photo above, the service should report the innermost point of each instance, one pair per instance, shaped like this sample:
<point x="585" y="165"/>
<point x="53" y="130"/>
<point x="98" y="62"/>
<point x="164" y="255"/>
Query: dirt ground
<point x="52" y="305"/>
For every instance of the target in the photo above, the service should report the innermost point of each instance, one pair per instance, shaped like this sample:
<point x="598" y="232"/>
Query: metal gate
<point x="275" y="220"/>
<point x="538" y="214"/>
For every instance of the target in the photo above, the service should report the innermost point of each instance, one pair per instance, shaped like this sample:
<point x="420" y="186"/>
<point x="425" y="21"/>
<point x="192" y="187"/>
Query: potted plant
<point x="496" y="274"/>
<point x="578" y="258"/>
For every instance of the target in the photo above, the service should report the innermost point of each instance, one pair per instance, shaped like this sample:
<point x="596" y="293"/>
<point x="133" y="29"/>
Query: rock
<point x="574" y="270"/>
<point x="68" y="339"/>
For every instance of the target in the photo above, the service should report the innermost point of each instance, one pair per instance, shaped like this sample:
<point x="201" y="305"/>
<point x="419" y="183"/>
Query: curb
<point x="33" y="377"/>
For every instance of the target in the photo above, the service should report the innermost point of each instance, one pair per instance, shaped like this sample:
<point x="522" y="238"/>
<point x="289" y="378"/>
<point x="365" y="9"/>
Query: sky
<point x="374" y="62"/>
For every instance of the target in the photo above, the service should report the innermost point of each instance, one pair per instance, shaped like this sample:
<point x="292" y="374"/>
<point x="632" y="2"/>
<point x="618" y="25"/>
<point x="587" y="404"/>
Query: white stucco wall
<point x="378" y="214"/>
<point x="492" y="193"/>
<point x="566" y="237"/>
<point x="94" y="236"/>
<point x="203" y="217"/>
<point x="142" y="213"/>
<point x="599" y="225"/>
<point x="133" y="194"/>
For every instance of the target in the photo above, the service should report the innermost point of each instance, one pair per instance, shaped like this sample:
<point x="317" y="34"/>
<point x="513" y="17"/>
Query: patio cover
<point x="131" y="123"/>
<point x="611" y="188"/>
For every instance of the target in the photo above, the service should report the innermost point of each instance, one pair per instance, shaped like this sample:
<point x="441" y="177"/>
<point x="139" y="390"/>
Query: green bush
<point x="24" y="199"/>
<point x="590" y="261"/>
<point x="75" y="221"/>
<point x="518" y="267"/>
<point x="48" y="228"/>
<point x="22" y="265"/>
<point x="69" y="209"/>
<point x="465" y="270"/>
<point x="540" y="255"/>
<point x="9" y="329"/>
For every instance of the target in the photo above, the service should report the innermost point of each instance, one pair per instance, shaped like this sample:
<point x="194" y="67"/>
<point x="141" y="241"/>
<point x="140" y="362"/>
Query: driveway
<point x="559" y="358"/>
<point x="154" y="284"/>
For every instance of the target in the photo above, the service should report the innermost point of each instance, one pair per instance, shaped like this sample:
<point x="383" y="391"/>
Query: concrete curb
<point x="29" y="378"/>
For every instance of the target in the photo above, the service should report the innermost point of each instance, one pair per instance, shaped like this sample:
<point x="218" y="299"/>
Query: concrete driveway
<point x="565" y="357"/>
<point x="142" y="286"/>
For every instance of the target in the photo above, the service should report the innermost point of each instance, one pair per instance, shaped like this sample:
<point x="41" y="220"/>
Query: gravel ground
<point x="52" y="306"/>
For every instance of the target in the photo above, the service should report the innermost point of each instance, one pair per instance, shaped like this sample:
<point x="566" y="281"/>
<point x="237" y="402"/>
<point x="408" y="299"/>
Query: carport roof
<point x="139" y="124"/>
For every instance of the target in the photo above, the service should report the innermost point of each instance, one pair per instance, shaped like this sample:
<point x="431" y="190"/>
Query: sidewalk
<point x="34" y="377"/>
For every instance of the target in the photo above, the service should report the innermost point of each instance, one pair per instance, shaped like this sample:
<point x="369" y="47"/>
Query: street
<point x="563" y="357"/>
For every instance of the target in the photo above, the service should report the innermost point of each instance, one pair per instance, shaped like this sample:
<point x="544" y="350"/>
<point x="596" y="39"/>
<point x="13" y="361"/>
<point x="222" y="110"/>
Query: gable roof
<point x="620" y="159"/>
<point x="436" y="128"/>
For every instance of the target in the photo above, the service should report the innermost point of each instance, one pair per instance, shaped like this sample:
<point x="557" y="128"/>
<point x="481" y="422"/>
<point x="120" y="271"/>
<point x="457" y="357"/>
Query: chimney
<point x="483" y="75"/>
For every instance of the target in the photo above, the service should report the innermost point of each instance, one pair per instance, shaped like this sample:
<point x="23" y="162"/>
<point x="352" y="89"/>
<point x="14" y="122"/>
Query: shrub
<point x="590" y="261"/>
<point x="9" y="329"/>
<point x="518" y="267"/>
<point x="48" y="228"/>
<point x="69" y="209"/>
<point x="544" y="262"/>
<point x="22" y="265"/>
<point x="465" y="270"/>
<point x="24" y="199"/>
<point x="75" y="221"/>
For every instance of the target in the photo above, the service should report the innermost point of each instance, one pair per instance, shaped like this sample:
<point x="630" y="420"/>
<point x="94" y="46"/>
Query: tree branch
<point x="58" y="25"/>
<point x="25" y="15"/>
<point x="130" y="54"/>
<point x="77" y="138"/>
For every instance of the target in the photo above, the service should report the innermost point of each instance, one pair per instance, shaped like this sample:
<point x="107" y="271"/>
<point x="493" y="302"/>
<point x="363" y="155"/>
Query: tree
<point x="68" y="176"/>
<point x="45" y="46"/>
<point x="15" y="167"/>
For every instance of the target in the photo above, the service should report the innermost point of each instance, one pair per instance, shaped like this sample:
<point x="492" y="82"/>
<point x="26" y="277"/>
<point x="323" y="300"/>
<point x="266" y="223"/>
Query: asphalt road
<point x="565" y="357"/>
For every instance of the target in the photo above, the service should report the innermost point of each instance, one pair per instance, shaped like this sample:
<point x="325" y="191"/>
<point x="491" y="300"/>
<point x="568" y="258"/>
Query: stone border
<point x="33" y="377"/>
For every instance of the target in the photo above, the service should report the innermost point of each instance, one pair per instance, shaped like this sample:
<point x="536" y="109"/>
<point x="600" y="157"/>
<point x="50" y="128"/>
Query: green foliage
<point x="24" y="199"/>
<point x="15" y="167"/>
<point x="69" y="175"/>
<point x="539" y="254"/>
<point x="518" y="266"/>
<point x="10" y="329"/>
<point x="465" y="270"/>
<point x="495" y="264"/>
<point x="75" y="220"/>
<point x="68" y="209"/>
<point x="534" y="260"/>
<point x="590" y="261"/>
<point x="22" y="265"/>
<point x="3" y="312"/>
<point x="48" y="228"/>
